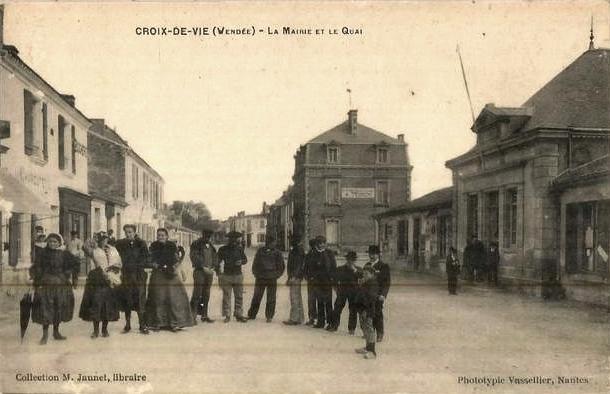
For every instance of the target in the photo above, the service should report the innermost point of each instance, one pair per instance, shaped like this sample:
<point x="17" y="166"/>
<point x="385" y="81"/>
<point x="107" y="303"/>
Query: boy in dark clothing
<point x="365" y="302"/>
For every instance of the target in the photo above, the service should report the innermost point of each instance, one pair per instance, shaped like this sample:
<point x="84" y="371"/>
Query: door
<point x="416" y="234"/>
<point x="249" y="240"/>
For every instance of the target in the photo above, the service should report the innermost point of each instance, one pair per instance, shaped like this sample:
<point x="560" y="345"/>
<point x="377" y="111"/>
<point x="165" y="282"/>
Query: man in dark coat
<point x="135" y="257"/>
<point x="231" y="257"/>
<point x="346" y="284"/>
<point x="204" y="259"/>
<point x="324" y="266"/>
<point x="479" y="258"/>
<point x="308" y="274"/>
<point x="384" y="280"/>
<point x="267" y="267"/>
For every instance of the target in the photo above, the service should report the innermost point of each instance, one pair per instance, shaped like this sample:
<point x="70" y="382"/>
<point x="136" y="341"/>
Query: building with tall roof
<point x="344" y="176"/>
<point x="125" y="189"/>
<point x="536" y="182"/>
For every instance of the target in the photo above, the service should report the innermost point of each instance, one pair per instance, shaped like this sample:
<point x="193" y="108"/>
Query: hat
<point x="374" y="249"/>
<point x="234" y="235"/>
<point x="320" y="239"/>
<point x="54" y="236"/>
<point x="351" y="255"/>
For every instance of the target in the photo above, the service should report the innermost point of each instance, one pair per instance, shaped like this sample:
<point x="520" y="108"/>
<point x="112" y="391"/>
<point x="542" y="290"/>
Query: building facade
<point x="417" y="235"/>
<point x="342" y="178"/>
<point x="510" y="188"/>
<point x="279" y="219"/>
<point x="124" y="187"/>
<point x="253" y="227"/>
<point x="43" y="160"/>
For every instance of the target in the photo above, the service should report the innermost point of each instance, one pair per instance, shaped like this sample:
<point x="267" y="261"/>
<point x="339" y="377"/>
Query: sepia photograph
<point x="305" y="197"/>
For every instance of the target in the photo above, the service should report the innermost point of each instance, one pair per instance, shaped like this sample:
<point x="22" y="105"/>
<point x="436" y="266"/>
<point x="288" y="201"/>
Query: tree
<point x="192" y="214"/>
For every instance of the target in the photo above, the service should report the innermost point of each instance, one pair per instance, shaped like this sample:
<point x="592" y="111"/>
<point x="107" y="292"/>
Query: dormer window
<point x="382" y="155"/>
<point x="332" y="154"/>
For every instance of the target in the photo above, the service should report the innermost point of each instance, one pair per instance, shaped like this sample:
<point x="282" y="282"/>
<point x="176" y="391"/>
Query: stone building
<point x="43" y="159"/>
<point x="417" y="235"/>
<point x="344" y="176"/>
<point x="519" y="185"/>
<point x="124" y="187"/>
<point x="279" y="219"/>
<point x="253" y="226"/>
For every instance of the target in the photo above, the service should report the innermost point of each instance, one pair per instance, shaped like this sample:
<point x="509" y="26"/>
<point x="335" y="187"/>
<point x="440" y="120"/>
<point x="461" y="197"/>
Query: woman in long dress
<point x="167" y="305"/>
<point x="100" y="303"/>
<point x="54" y="273"/>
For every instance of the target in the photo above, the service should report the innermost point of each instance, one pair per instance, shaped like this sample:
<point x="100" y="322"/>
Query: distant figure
<point x="493" y="262"/>
<point x="167" y="305"/>
<point x="75" y="246"/>
<point x="204" y="259"/>
<point x="346" y="284"/>
<point x="54" y="273"/>
<point x="308" y="274"/>
<point x="479" y="259"/>
<point x="296" y="265"/>
<point x="452" y="268"/>
<point x="231" y="257"/>
<point x="111" y="238"/>
<point x="267" y="267"/>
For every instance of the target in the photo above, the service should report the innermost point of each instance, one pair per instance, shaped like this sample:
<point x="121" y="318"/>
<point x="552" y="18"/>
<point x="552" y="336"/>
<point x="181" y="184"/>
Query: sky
<point x="220" y="117"/>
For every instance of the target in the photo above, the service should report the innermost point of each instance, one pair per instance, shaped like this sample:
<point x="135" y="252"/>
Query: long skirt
<point x="167" y="304"/>
<point x="100" y="301"/>
<point x="53" y="301"/>
<point x="133" y="291"/>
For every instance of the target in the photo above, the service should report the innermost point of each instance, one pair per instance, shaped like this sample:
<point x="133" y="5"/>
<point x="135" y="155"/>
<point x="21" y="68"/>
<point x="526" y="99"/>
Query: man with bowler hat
<point x="231" y="257"/>
<point x="346" y="284"/>
<point x="204" y="259"/>
<point x="382" y="271"/>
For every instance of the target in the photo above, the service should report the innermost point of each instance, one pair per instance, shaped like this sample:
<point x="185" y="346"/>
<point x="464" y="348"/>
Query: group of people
<point x="480" y="264"/>
<point x="118" y="281"/>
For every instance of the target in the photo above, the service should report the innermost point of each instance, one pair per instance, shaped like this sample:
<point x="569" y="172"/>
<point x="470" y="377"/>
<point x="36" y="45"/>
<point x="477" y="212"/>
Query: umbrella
<point x="25" y="310"/>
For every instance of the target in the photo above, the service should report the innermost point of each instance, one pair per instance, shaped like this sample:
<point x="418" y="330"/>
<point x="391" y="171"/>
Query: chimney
<point x="352" y="120"/>
<point x="70" y="99"/>
<point x="401" y="137"/>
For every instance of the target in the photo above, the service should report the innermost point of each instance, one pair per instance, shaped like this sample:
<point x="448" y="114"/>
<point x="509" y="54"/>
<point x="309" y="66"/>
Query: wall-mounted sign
<point x="357" y="192"/>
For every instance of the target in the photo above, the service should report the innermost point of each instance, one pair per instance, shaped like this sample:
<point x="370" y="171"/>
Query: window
<point x="333" y="195"/>
<point x="144" y="187"/>
<point x="444" y="235"/>
<point x="382" y="189"/>
<point x="492" y="216"/>
<point x="260" y="238"/>
<point x="332" y="154"/>
<point x="135" y="182"/>
<point x="401" y="242"/>
<point x="61" y="154"/>
<point x="588" y="237"/>
<point x="332" y="231"/>
<point x="262" y="224"/>
<point x="29" y="122"/>
<point x="97" y="219"/>
<point x="510" y="218"/>
<point x="45" y="132"/>
<point x="472" y="212"/>
<point x="382" y="155"/>
<point x="73" y="138"/>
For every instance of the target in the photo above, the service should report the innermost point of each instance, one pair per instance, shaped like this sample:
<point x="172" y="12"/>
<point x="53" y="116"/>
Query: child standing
<point x="365" y="304"/>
